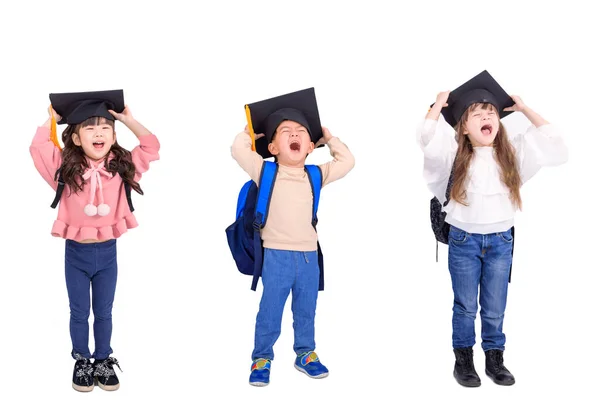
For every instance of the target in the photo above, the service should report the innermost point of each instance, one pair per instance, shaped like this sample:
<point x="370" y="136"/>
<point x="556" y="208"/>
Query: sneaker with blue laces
<point x="309" y="363"/>
<point x="260" y="372"/>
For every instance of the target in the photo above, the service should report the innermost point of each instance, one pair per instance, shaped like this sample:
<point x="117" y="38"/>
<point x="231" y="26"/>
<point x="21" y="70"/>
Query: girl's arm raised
<point x="441" y="101"/>
<point x="47" y="158"/>
<point x="438" y="143"/>
<point x="149" y="146"/>
<point x="542" y="145"/>
<point x="127" y="118"/>
<point x="531" y="115"/>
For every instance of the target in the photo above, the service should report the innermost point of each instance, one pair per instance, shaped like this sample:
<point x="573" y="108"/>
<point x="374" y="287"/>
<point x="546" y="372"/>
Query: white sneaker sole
<point x="259" y="384"/>
<point x="323" y="375"/>
<point x="109" y="388"/>
<point x="82" y="388"/>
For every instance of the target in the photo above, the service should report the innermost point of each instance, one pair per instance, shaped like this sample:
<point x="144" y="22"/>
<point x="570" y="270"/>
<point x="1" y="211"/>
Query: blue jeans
<point x="479" y="262"/>
<point x="94" y="264"/>
<point x="284" y="271"/>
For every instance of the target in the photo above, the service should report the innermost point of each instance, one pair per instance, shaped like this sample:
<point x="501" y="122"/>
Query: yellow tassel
<point x="250" y="129"/>
<point x="53" y="136"/>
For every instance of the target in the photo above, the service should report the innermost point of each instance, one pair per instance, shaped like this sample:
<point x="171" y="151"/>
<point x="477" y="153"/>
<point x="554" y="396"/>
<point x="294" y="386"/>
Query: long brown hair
<point x="74" y="162"/>
<point x="504" y="154"/>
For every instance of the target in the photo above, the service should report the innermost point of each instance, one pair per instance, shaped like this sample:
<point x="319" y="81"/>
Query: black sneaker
<point x="83" y="379"/>
<point x="105" y="375"/>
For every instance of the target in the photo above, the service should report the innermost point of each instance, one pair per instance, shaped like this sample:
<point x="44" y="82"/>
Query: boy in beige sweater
<point x="289" y="130"/>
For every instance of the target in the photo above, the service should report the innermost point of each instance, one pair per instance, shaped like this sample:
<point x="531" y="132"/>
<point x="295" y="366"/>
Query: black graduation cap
<point x="75" y="108"/>
<point x="300" y="106"/>
<point x="480" y="89"/>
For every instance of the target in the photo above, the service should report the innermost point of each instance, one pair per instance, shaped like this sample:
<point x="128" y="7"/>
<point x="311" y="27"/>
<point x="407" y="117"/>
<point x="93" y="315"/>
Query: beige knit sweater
<point x="290" y="213"/>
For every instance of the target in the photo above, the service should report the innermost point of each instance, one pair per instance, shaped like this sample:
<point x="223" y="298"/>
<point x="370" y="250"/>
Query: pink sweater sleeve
<point x="47" y="158"/>
<point x="145" y="153"/>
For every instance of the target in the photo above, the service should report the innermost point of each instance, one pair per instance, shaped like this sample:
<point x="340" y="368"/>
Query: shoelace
<point x="84" y="369"/>
<point x="497" y="362"/>
<point x="105" y="368"/>
<point x="465" y="362"/>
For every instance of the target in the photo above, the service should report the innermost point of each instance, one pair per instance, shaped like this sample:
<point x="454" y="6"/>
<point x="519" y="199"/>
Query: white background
<point x="183" y="315"/>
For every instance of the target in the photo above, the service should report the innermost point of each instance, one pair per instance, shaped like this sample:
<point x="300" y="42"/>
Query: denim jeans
<point x="92" y="264"/>
<point x="284" y="271"/>
<point x="479" y="262"/>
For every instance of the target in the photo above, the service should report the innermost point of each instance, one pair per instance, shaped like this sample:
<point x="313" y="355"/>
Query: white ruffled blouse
<point x="489" y="207"/>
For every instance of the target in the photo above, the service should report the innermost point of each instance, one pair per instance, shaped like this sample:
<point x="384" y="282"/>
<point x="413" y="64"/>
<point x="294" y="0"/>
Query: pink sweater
<point x="72" y="223"/>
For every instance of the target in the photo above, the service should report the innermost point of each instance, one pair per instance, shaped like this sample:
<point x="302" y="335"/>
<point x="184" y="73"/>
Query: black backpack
<point x="441" y="229"/>
<point x="61" y="187"/>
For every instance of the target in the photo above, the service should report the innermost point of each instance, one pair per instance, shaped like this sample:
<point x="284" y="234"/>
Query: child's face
<point x="482" y="126"/>
<point x="95" y="139"/>
<point x="291" y="144"/>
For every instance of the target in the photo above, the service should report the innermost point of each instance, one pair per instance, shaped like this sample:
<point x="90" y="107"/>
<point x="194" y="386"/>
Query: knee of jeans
<point x="470" y="313"/>
<point x="102" y="317"/>
<point x="491" y="315"/>
<point x="80" y="314"/>
<point x="299" y="313"/>
<point x="102" y="313"/>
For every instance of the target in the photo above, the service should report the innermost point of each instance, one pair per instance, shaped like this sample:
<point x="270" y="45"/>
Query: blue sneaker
<point x="309" y="364"/>
<point x="261" y="369"/>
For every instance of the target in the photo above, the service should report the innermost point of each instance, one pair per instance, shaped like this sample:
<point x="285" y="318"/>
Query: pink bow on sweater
<point x="94" y="175"/>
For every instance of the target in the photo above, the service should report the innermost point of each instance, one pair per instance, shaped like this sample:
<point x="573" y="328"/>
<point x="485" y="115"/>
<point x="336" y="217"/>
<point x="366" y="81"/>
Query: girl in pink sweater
<point x="93" y="212"/>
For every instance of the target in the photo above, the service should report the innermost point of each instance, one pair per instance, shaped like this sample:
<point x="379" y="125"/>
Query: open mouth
<point x="486" y="129"/>
<point x="98" y="145"/>
<point x="295" y="146"/>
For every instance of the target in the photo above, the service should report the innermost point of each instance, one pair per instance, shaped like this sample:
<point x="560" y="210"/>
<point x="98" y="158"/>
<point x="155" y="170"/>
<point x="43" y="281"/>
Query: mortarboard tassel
<point x="53" y="136"/>
<point x="252" y="136"/>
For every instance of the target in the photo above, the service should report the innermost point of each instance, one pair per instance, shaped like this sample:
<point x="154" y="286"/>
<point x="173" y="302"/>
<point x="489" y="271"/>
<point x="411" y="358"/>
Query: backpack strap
<point x="512" y="253"/>
<point x="268" y="174"/>
<point x="448" y="191"/>
<point x="315" y="176"/>
<point x="127" y="187"/>
<point x="316" y="183"/>
<point x="266" y="183"/>
<point x="59" y="189"/>
<point x="450" y="184"/>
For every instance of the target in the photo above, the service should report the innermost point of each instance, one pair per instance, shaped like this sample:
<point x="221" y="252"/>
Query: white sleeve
<point x="538" y="147"/>
<point x="438" y="143"/>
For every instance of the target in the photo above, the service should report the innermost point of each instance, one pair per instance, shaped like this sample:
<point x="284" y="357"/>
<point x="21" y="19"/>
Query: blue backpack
<point x="252" y="211"/>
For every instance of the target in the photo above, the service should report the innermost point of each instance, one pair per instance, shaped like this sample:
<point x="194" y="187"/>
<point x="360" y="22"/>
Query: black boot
<point x="464" y="370"/>
<point x="495" y="369"/>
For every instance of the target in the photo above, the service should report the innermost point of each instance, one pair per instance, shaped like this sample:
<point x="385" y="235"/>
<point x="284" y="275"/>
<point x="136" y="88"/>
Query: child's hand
<point x="442" y="98"/>
<point x="256" y="136"/>
<point x="325" y="138"/>
<point x="531" y="115"/>
<point x="52" y="112"/>
<point x="441" y="101"/>
<point x="518" y="106"/>
<point x="124" y="117"/>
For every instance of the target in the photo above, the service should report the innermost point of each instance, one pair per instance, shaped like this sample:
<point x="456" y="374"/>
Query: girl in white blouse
<point x="488" y="168"/>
